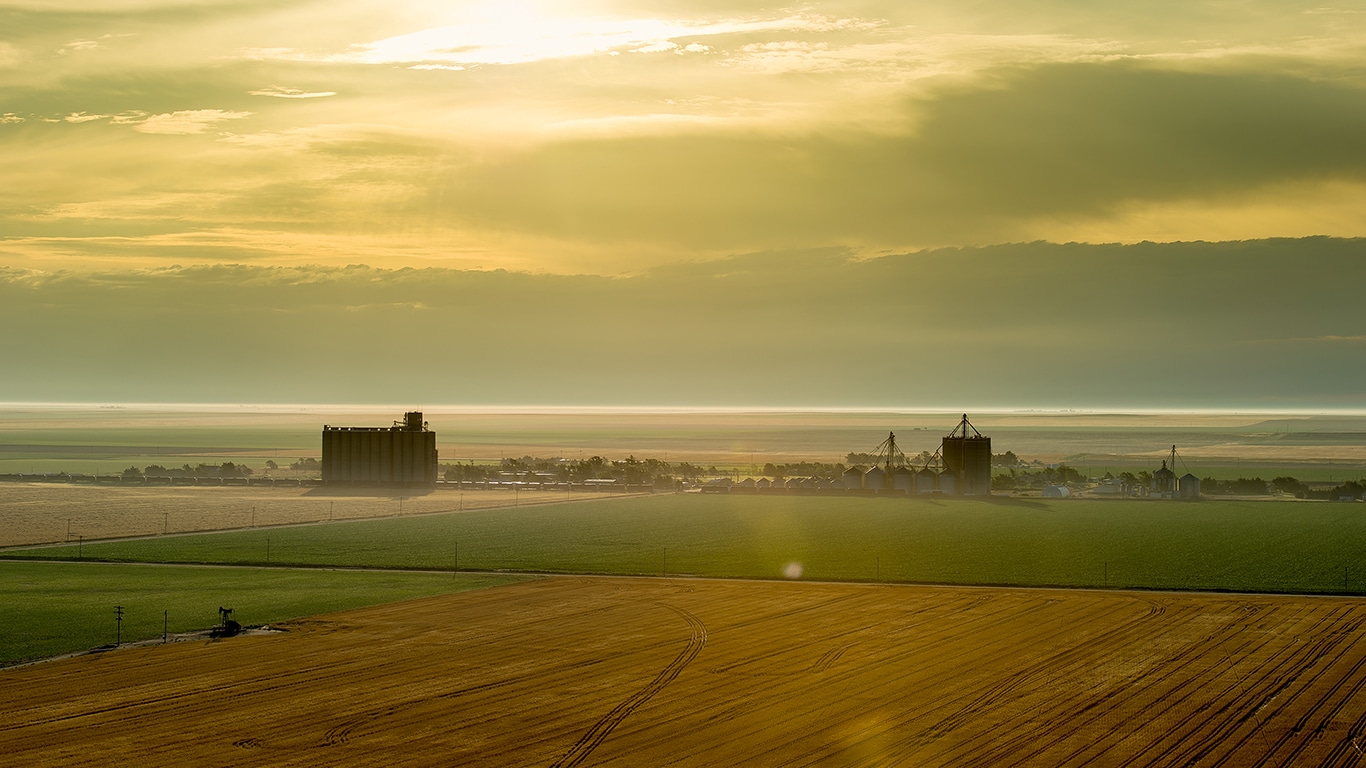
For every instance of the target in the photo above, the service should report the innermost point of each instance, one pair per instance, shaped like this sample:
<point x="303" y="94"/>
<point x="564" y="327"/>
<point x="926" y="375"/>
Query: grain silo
<point x="947" y="483"/>
<point x="967" y="455"/>
<point x="925" y="480"/>
<point x="1188" y="486"/>
<point x="1164" y="482"/>
<point x="903" y="479"/>
<point x="402" y="454"/>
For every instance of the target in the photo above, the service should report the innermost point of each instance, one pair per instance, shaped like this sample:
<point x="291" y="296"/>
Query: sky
<point x="684" y="202"/>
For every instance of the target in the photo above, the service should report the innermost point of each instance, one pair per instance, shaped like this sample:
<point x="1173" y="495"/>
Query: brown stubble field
<point x="39" y="513"/>
<point x="572" y="671"/>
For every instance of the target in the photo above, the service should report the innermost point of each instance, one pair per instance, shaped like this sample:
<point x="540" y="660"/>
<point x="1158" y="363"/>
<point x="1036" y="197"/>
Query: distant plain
<point x="109" y="439"/>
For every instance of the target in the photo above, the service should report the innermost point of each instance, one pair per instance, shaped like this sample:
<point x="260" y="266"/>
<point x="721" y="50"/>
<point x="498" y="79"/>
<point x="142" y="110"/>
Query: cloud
<point x="128" y="118"/>
<point x="783" y="46"/>
<point x="877" y="127"/>
<point x="81" y="117"/>
<point x="76" y="46"/>
<point x="982" y="162"/>
<point x="9" y="118"/>
<point x="663" y="46"/>
<point x="515" y="36"/>
<point x="290" y="93"/>
<point x="190" y="121"/>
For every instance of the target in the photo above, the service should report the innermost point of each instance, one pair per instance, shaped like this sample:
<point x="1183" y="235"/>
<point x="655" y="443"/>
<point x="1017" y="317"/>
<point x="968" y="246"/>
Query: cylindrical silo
<point x="926" y="480"/>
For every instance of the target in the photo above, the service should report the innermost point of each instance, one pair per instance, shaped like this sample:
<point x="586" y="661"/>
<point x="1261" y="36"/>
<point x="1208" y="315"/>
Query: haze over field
<point x="856" y="204"/>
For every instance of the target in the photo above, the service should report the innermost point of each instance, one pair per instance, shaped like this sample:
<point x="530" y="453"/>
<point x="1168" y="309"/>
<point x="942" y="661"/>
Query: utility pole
<point x="329" y="511"/>
<point x="118" y="625"/>
<point x="165" y="624"/>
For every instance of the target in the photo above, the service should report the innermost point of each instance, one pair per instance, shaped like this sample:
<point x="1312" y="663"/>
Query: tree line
<point x="226" y="469"/>
<point x="630" y="470"/>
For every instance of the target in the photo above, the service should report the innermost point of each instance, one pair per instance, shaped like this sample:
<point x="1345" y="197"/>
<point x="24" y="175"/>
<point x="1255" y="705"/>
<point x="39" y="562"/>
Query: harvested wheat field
<point x="597" y="671"/>
<point x="40" y="513"/>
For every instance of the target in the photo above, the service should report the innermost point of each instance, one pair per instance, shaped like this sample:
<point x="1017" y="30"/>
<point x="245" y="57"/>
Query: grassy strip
<point x="48" y="609"/>
<point x="1210" y="545"/>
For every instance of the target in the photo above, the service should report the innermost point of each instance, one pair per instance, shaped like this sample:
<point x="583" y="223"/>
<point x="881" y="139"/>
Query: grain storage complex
<point x="403" y="454"/>
<point x="961" y="467"/>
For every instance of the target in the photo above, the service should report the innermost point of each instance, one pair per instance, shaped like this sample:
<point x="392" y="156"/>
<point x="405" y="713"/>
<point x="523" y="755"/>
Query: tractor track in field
<point x="1108" y="707"/>
<point x="1055" y="721"/>
<point x="604" y="727"/>
<point x="1200" y="684"/>
<point x="1243" y="698"/>
<point x="1312" y="670"/>
<point x="954" y="709"/>
<point x="1049" y="664"/>
<point x="1355" y="673"/>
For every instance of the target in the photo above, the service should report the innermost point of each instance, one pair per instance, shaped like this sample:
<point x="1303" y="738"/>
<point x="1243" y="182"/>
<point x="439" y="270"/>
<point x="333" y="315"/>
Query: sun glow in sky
<point x="619" y="141"/>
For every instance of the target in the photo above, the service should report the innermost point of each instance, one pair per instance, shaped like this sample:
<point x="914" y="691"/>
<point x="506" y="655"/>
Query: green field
<point x="1254" y="546"/>
<point x="48" y="609"/>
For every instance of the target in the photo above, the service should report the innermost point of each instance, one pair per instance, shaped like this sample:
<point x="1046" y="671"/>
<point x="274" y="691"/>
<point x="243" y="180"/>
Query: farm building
<point x="403" y="454"/>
